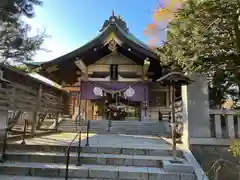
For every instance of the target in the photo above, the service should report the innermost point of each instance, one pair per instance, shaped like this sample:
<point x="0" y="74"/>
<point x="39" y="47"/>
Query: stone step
<point x="147" y="129"/>
<point x="118" y="126"/>
<point x="15" y="177"/>
<point x="93" y="158"/>
<point x="91" y="171"/>
<point x="47" y="124"/>
<point x="158" y="150"/>
<point x="105" y="122"/>
<point x="114" y="127"/>
<point x="114" y="124"/>
<point x="114" y="130"/>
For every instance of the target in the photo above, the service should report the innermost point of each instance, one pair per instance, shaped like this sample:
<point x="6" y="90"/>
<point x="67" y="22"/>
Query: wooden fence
<point x="16" y="97"/>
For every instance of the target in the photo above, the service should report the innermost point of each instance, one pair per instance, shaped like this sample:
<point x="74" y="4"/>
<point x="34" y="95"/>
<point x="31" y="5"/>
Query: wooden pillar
<point x="3" y="124"/>
<point x="93" y="103"/>
<point x="35" y="113"/>
<point x="56" y="121"/>
<point x="73" y="105"/>
<point x="173" y="126"/>
<point x="58" y="113"/>
<point x="168" y="98"/>
<point x="89" y="110"/>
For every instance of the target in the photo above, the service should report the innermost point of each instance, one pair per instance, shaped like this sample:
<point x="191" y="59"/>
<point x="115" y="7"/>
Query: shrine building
<point x="113" y="71"/>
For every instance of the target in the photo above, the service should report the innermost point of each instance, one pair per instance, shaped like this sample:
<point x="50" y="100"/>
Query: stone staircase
<point x="97" y="162"/>
<point x="47" y="124"/>
<point x="118" y="127"/>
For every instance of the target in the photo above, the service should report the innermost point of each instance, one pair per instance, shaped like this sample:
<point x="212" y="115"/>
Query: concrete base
<point x="177" y="167"/>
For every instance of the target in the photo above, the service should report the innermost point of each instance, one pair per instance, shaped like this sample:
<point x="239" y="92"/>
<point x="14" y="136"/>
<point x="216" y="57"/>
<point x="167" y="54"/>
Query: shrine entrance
<point x="117" y="101"/>
<point x="117" y="108"/>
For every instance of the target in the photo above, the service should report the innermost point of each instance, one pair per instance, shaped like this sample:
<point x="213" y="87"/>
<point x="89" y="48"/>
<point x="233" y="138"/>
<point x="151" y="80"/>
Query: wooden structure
<point x="23" y="94"/>
<point x="117" y="64"/>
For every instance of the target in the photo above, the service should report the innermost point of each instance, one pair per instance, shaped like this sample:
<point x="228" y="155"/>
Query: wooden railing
<point x="225" y="123"/>
<point x="50" y="103"/>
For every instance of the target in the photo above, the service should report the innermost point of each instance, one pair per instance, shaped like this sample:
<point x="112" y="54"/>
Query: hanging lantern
<point x="129" y="92"/>
<point x="97" y="91"/>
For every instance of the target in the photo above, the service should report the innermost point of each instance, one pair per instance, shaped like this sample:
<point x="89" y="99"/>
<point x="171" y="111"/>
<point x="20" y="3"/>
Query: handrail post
<point x="79" y="149"/>
<point x="4" y="146"/>
<point x="67" y="155"/>
<point x="67" y="163"/>
<point x="87" y="140"/>
<point x="109" y="123"/>
<point x="76" y="123"/>
<point x="24" y="132"/>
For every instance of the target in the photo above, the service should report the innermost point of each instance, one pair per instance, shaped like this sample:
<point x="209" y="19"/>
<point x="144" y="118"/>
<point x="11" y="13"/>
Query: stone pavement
<point x="102" y="140"/>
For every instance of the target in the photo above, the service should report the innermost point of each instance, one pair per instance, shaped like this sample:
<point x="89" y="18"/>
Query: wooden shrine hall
<point x="112" y="76"/>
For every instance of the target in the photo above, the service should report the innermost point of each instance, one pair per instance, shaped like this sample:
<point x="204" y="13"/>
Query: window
<point x="113" y="72"/>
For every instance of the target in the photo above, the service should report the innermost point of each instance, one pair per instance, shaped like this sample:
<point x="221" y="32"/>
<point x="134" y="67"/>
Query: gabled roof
<point x="33" y="63"/>
<point x="174" y="77"/>
<point x="28" y="76"/>
<point x="114" y="25"/>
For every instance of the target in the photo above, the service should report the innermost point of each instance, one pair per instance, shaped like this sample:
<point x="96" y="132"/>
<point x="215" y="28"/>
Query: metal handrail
<point x="67" y="155"/>
<point x="88" y="128"/>
<point x="77" y="121"/>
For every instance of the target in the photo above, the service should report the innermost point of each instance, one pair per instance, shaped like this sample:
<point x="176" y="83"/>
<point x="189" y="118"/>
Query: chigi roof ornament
<point x="115" y="20"/>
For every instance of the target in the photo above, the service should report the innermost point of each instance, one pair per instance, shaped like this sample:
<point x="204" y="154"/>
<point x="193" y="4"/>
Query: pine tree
<point x="15" y="42"/>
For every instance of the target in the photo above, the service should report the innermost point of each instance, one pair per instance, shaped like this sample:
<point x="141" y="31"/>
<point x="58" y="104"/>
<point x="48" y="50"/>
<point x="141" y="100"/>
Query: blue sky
<point x="71" y="23"/>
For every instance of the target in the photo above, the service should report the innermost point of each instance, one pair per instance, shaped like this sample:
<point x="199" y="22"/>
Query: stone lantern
<point x="172" y="80"/>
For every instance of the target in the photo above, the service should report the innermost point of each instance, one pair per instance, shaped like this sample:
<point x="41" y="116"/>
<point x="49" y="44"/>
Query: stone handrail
<point x="225" y="123"/>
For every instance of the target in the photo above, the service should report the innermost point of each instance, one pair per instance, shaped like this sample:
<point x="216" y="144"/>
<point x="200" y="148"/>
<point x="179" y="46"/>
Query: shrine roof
<point x="174" y="77"/>
<point x="114" y="26"/>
